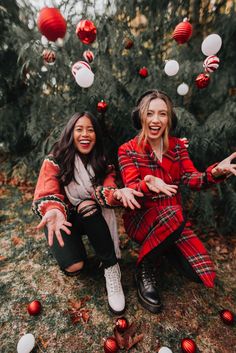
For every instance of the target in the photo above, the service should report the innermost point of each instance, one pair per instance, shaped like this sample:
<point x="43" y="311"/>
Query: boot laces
<point x="148" y="273"/>
<point x="112" y="275"/>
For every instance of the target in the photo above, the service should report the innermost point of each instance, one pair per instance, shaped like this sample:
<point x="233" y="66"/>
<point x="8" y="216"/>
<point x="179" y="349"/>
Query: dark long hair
<point x="64" y="151"/>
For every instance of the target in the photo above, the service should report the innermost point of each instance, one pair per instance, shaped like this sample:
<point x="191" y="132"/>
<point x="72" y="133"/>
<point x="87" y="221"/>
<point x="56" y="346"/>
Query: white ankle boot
<point x="115" y="294"/>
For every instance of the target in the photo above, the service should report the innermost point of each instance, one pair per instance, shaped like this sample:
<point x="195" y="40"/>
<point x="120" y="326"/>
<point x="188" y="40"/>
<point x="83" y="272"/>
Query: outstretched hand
<point x="127" y="197"/>
<point x="225" y="167"/>
<point x="157" y="185"/>
<point x="55" y="221"/>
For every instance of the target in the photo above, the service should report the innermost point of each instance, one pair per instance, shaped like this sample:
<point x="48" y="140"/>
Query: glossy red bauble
<point x="143" y="72"/>
<point x="227" y="317"/>
<point x="49" y="56"/>
<point x="88" y="56"/>
<point x="34" y="307"/>
<point x="128" y="43"/>
<point x="51" y="23"/>
<point x="86" y="31"/>
<point x="102" y="106"/>
<point x="182" y="32"/>
<point x="121" y="324"/>
<point x="110" y="345"/>
<point x="188" y="345"/>
<point x="202" y="80"/>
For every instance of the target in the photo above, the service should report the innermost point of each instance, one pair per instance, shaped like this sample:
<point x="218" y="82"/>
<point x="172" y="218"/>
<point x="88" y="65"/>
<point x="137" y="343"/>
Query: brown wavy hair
<point x="64" y="152"/>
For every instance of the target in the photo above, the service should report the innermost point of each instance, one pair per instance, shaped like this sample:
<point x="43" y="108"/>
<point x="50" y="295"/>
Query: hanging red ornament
<point x="34" y="307"/>
<point x="121" y="324"/>
<point x="128" y="43"/>
<point x="110" y="345"/>
<point x="182" y="32"/>
<point x="102" y="106"/>
<point x="188" y="345"/>
<point x="143" y="72"/>
<point x="211" y="63"/>
<point x="51" y="23"/>
<point x="227" y="317"/>
<point x="49" y="56"/>
<point x="86" y="31"/>
<point x="202" y="80"/>
<point x="88" y="55"/>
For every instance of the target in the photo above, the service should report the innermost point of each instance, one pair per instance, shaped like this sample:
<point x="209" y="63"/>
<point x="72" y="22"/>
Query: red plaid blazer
<point x="160" y="215"/>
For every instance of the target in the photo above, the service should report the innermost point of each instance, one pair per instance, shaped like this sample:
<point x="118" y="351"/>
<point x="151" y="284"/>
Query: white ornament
<point x="211" y="44"/>
<point x="171" y="67"/>
<point x="84" y="77"/>
<point x="44" y="69"/>
<point x="165" y="350"/>
<point x="26" y="343"/>
<point x="59" y="42"/>
<point x="79" y="65"/>
<point x="44" y="41"/>
<point x="182" y="89"/>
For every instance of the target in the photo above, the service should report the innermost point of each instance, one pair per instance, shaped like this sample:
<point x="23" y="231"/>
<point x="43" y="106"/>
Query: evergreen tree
<point x="207" y="117"/>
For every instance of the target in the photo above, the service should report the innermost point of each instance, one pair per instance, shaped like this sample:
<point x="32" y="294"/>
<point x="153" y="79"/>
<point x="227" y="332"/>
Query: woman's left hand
<point x="225" y="167"/>
<point x="127" y="197"/>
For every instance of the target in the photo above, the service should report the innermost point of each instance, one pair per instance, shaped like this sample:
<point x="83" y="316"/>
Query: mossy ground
<point x="28" y="272"/>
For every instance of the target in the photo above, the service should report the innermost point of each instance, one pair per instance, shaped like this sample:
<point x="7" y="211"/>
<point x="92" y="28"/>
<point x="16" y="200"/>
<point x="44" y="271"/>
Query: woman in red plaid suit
<point x="155" y="163"/>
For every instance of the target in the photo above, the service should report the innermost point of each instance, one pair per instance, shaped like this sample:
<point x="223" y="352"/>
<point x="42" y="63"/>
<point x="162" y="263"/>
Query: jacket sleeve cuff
<point x="41" y="206"/>
<point x="211" y="178"/>
<point x="143" y="186"/>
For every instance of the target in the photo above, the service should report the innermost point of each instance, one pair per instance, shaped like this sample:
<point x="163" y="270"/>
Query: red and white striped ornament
<point x="182" y="32"/>
<point x="49" y="56"/>
<point x="211" y="63"/>
<point x="88" y="56"/>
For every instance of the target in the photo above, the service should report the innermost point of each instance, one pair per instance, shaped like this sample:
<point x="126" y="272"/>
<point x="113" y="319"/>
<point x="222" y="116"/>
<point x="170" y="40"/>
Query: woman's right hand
<point x="55" y="221"/>
<point x="157" y="185"/>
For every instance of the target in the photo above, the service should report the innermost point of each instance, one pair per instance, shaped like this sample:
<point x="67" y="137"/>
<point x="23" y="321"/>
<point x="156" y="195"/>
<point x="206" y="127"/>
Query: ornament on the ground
<point x="34" y="307"/>
<point x="211" y="44"/>
<point x="83" y="74"/>
<point x="110" y="345"/>
<point x="143" y="72"/>
<point x="88" y="56"/>
<point x="165" y="350"/>
<point x="211" y="63"/>
<point x="202" y="80"/>
<point x="128" y="43"/>
<point x="171" y="67"/>
<point x="51" y="23"/>
<point x="86" y="31"/>
<point x="182" y="89"/>
<point x="49" y="56"/>
<point x="188" y="345"/>
<point x="122" y="324"/>
<point x="182" y="32"/>
<point x="102" y="106"/>
<point x="227" y="317"/>
<point x="26" y="343"/>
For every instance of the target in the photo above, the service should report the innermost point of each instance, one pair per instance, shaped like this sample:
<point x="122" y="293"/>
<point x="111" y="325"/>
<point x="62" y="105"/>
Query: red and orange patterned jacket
<point x="49" y="193"/>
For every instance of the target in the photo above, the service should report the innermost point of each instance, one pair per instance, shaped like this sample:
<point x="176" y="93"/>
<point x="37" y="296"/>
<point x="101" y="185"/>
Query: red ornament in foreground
<point x="51" y="23"/>
<point x="86" y="31"/>
<point x="34" y="307"/>
<point x="102" y="106"/>
<point x="188" y="345"/>
<point x="227" y="317"/>
<point x="143" y="72"/>
<point x="121" y="324"/>
<point x="182" y="32"/>
<point x="202" y="80"/>
<point x="110" y="345"/>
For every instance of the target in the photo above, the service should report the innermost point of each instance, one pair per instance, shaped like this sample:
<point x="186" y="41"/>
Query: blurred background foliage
<point x="35" y="104"/>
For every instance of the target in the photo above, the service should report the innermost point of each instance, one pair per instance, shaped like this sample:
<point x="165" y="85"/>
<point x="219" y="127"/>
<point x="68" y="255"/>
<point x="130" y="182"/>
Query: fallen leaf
<point x="119" y="339"/>
<point x="135" y="340"/>
<point x="16" y="240"/>
<point x="2" y="258"/>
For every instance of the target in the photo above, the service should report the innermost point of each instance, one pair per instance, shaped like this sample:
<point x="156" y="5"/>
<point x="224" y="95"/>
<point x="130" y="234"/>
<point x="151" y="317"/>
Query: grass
<point x="29" y="272"/>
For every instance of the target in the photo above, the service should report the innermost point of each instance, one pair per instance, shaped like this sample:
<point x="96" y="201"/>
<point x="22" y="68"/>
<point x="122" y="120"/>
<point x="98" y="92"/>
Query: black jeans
<point x="97" y="231"/>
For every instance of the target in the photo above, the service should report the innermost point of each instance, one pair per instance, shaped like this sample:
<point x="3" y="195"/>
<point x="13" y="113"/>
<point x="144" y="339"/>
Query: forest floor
<point x="75" y="317"/>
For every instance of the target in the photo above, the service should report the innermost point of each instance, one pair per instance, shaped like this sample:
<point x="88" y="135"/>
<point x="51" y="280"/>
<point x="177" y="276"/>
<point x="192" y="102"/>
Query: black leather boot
<point x="146" y="283"/>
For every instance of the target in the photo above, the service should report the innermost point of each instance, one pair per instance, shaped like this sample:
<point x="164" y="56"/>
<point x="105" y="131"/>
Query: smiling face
<point x="156" y="120"/>
<point x="84" y="135"/>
